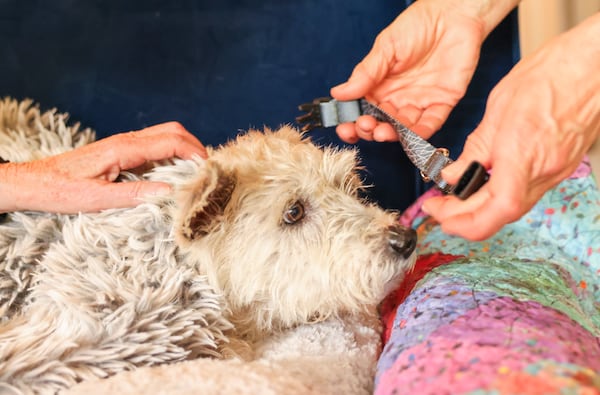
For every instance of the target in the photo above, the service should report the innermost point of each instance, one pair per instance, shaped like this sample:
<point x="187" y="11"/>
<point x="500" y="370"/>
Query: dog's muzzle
<point x="403" y="240"/>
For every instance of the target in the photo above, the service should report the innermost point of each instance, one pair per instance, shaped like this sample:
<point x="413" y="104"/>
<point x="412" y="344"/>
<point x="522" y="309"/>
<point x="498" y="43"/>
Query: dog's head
<point x="278" y="225"/>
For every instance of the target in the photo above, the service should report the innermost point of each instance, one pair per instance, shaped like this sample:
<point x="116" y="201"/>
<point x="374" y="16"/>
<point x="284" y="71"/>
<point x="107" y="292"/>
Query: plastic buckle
<point x="471" y="180"/>
<point x="312" y="119"/>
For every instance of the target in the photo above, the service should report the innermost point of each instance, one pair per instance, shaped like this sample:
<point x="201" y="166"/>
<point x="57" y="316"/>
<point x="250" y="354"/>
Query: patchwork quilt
<point x="516" y="314"/>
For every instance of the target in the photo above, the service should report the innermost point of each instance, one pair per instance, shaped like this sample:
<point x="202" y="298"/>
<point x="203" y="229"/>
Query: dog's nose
<point x="403" y="240"/>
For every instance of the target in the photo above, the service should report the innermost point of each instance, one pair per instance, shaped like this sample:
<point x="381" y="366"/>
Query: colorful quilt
<point x="516" y="314"/>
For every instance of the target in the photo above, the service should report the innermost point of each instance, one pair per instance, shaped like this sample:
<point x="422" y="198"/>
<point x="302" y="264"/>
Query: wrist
<point x="489" y="13"/>
<point x="587" y="33"/>
<point x="7" y="187"/>
<point x="582" y="43"/>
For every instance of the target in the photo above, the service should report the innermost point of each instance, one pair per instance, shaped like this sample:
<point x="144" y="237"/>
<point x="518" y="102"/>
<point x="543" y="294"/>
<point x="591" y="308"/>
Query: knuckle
<point x="135" y="191"/>
<point x="556" y="165"/>
<point x="474" y="144"/>
<point x="121" y="138"/>
<point x="111" y="145"/>
<point x="479" y="234"/>
<point x="500" y="95"/>
<point x="380" y="40"/>
<point x="175" y="127"/>
<point x="510" y="209"/>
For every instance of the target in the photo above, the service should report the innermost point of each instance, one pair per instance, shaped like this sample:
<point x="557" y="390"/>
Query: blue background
<point x="218" y="67"/>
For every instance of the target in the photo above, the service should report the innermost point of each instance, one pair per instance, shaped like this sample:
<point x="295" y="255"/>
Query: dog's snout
<point x="403" y="240"/>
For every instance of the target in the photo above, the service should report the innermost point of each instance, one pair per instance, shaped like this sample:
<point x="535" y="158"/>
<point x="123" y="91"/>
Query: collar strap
<point x="328" y="112"/>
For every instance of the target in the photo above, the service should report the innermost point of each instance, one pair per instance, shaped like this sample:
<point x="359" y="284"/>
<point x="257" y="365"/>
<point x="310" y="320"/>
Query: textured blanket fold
<point x="516" y="314"/>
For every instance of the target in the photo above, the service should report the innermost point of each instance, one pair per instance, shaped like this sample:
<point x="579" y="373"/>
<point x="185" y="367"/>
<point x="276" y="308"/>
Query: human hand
<point x="540" y="121"/>
<point x="420" y="66"/>
<point x="81" y="180"/>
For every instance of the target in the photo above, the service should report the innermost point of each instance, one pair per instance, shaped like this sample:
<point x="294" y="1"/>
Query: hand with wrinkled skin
<point x="81" y="180"/>
<point x="540" y="121"/>
<point x="420" y="66"/>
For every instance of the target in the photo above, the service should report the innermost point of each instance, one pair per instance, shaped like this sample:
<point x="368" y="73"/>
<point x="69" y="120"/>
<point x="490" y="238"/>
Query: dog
<point x="271" y="231"/>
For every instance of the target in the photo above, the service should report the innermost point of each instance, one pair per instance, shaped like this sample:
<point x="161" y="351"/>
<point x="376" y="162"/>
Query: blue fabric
<point x="218" y="67"/>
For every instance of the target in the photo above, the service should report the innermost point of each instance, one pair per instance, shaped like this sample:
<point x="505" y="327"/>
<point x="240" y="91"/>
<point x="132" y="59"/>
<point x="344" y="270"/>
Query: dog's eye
<point x="294" y="213"/>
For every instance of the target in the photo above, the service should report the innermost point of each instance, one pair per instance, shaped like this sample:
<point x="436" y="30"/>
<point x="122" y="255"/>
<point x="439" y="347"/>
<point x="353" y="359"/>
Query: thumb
<point x="365" y="76"/>
<point x="476" y="148"/>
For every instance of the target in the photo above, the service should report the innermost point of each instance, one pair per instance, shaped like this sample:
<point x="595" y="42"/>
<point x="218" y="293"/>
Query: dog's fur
<point x="268" y="233"/>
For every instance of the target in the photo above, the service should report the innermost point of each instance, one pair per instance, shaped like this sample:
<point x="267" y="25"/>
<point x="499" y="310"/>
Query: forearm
<point x="585" y="43"/>
<point x="28" y="186"/>
<point x="582" y="55"/>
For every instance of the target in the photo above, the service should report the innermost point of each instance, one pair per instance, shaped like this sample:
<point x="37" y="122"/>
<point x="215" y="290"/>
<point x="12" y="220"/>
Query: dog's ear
<point x="203" y="203"/>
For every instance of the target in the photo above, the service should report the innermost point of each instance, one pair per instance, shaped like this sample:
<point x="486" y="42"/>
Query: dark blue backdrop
<point x="218" y="67"/>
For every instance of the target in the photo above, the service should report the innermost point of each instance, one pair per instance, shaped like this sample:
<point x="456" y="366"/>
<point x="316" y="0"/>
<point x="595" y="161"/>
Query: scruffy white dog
<point x="269" y="232"/>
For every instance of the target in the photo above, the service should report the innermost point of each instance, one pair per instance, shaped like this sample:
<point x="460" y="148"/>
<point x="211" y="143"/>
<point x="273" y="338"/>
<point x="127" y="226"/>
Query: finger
<point x="357" y="86"/>
<point x="431" y="120"/>
<point x="463" y="218"/>
<point x="500" y="201"/>
<point x="367" y="128"/>
<point x="454" y="171"/>
<point x="130" y="150"/>
<point x="366" y="123"/>
<point x="475" y="226"/>
<point x="347" y="132"/>
<point x="85" y="195"/>
<point x="177" y="129"/>
<point x="368" y="73"/>
<point x="123" y="194"/>
<point x="408" y="114"/>
<point x="364" y="127"/>
<point x="107" y="157"/>
<point x="477" y="148"/>
<point x="444" y="207"/>
<point x="366" y="135"/>
<point x="384" y="132"/>
<point x="481" y="223"/>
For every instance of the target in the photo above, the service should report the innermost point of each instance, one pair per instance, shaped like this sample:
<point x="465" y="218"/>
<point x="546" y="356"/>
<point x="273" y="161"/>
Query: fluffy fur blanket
<point x="331" y="357"/>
